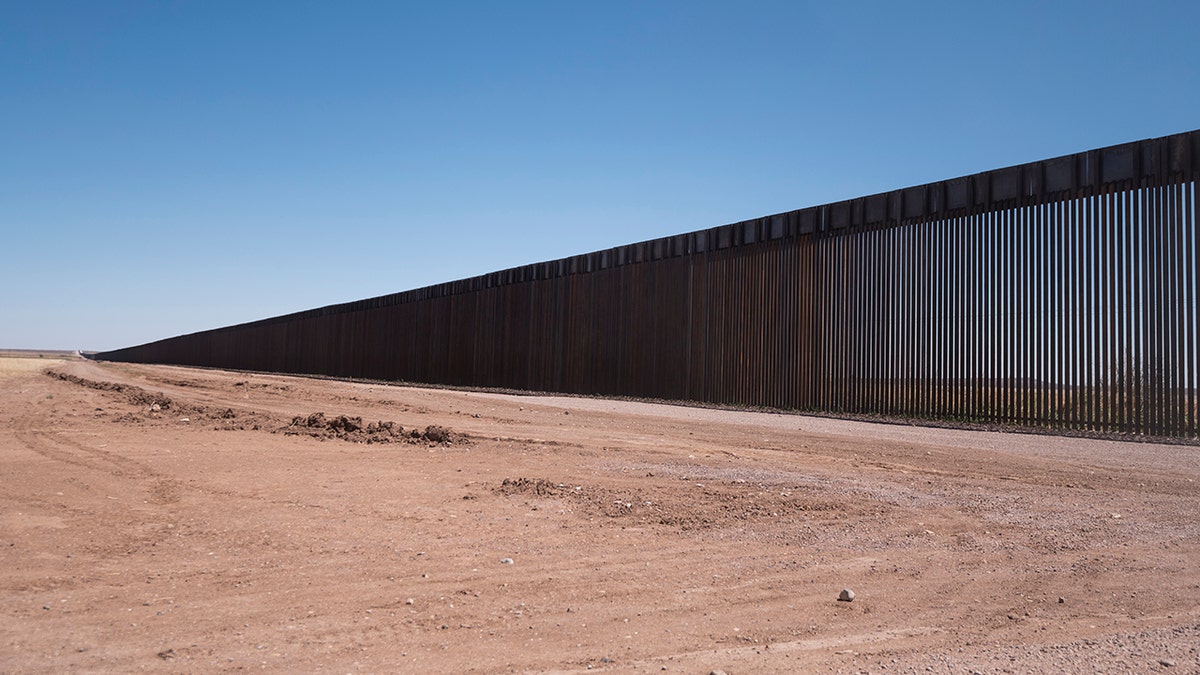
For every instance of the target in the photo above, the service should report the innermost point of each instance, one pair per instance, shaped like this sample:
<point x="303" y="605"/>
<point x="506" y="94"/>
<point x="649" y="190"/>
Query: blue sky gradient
<point x="170" y="167"/>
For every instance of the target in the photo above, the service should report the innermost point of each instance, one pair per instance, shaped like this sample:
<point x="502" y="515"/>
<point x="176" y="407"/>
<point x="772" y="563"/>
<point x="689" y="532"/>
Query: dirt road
<point x="156" y="518"/>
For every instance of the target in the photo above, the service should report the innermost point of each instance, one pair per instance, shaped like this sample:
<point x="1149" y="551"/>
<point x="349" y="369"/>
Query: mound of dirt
<point x="531" y="486"/>
<point x="352" y="429"/>
<point x="155" y="407"/>
<point x="136" y="395"/>
<point x="687" y="505"/>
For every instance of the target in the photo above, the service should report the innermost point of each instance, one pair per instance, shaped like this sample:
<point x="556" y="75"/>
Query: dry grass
<point x="10" y="366"/>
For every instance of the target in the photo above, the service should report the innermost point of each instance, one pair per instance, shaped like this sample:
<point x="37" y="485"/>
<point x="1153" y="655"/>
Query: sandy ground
<point x="177" y="520"/>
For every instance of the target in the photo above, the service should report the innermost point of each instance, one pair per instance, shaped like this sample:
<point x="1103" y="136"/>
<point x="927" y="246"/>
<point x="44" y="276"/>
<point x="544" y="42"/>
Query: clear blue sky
<point x="168" y="167"/>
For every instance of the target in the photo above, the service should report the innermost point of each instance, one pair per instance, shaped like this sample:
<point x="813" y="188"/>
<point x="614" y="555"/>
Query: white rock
<point x="846" y="595"/>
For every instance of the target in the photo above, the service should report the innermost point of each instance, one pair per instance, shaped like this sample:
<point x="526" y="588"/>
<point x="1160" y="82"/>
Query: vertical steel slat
<point x="994" y="320"/>
<point x="954" y="334"/>
<point x="1027" y="302"/>
<point x="1167" y="301"/>
<point x="811" y="314"/>
<point x="792" y="343"/>
<point x="768" y="327"/>
<point x="839" y="346"/>
<point x="1178" y="313"/>
<point x="1153" y="308"/>
<point x="784" y="323"/>
<point x="862" y="281"/>
<point x="824" y="293"/>
<point x="1114" y="203"/>
<point x="1057" y="311"/>
<point x="920" y="326"/>
<point x="1009" y="271"/>
<point x="885" y="298"/>
<point x="1027" y="343"/>
<point x="965" y="342"/>
<point x="867" y="264"/>
<point x="978" y="382"/>
<point x="908" y="318"/>
<point x="905" y="319"/>
<point x="945" y="291"/>
<point x="846" y="346"/>
<point x="980" y="375"/>
<point x="878" y="267"/>
<point x="963" y="320"/>
<point x="948" y="327"/>
<point x="1173" y="308"/>
<point x="883" y="316"/>
<point x="1177" y="358"/>
<point x="1027" y="305"/>
<point x="1132" y="353"/>
<point x="818" y="328"/>
<point x="1179" y="307"/>
<point x="1073" y="294"/>
<point x="757" y="375"/>
<point x="727" y="361"/>
<point x="1046" y="318"/>
<point x="909" y="321"/>
<point x="1113" y="312"/>
<point x="901" y="317"/>
<point x="997" y="321"/>
<point x="1090" y="253"/>
<point x="1043" y="317"/>
<point x="832" y="350"/>
<point x="936" y="285"/>
<point x="961" y="336"/>
<point x="1102" y="302"/>
<point x="1110" y="213"/>
<point x="801" y="347"/>
<point x="1192" y="347"/>
<point x="1156" y="300"/>
<point x="1171" y="320"/>
<point x="1034" y="308"/>
<point x="1077" y="286"/>
<point x="1140" y="315"/>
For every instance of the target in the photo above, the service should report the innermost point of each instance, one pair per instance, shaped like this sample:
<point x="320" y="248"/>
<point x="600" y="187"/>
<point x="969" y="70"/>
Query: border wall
<point x="1059" y="294"/>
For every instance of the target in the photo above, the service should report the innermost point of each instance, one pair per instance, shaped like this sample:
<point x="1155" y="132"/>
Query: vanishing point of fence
<point x="1058" y="294"/>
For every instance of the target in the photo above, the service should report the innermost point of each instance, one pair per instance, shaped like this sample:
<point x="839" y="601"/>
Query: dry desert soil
<point x="181" y="520"/>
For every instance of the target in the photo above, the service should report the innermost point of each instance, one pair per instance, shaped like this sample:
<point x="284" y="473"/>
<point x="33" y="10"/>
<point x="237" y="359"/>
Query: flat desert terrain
<point x="180" y="520"/>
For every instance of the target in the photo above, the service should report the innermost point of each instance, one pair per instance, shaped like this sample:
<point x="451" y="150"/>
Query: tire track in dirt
<point x="55" y="447"/>
<point x="162" y="488"/>
<point x="747" y="653"/>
